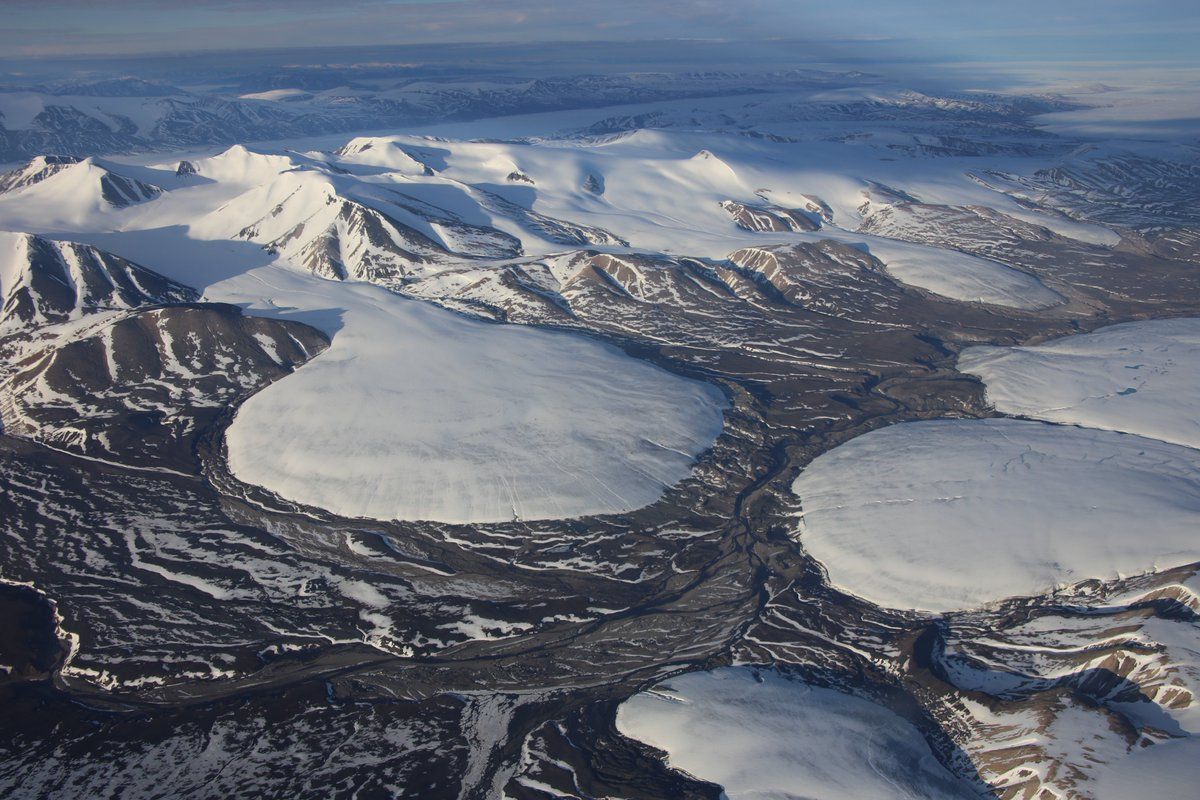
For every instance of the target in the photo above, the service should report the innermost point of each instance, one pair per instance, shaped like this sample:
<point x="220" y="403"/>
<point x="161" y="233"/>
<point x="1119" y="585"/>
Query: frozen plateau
<point x="377" y="432"/>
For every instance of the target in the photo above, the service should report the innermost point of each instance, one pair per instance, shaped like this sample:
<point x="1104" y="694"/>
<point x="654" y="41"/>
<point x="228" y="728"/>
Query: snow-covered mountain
<point x="44" y="281"/>
<point x="82" y="183"/>
<point x="309" y="223"/>
<point x="106" y="116"/>
<point x="142" y="384"/>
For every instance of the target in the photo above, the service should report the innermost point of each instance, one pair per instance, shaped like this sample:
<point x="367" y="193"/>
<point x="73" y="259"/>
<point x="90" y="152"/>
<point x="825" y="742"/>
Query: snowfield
<point x="955" y="514"/>
<point x="1141" y="377"/>
<point x="762" y="736"/>
<point x="418" y="413"/>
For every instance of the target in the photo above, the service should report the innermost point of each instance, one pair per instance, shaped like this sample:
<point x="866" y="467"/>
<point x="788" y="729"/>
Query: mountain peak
<point x="44" y="281"/>
<point x="77" y="183"/>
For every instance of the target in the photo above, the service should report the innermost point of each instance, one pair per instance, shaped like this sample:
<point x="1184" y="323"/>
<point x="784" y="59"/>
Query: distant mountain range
<point x="121" y="115"/>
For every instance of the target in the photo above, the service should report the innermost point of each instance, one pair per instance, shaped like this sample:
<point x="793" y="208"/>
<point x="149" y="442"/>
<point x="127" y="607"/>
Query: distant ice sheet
<point x="762" y="736"/>
<point x="954" y="514"/>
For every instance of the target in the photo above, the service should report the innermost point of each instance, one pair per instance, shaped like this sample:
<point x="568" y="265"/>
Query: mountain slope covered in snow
<point x="44" y="281"/>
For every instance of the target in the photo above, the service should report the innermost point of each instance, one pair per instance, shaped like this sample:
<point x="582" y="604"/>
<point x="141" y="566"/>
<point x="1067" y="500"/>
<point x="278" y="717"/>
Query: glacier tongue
<point x="417" y="413"/>
<point x="1139" y="377"/>
<point x="954" y="514"/>
<point x="762" y="735"/>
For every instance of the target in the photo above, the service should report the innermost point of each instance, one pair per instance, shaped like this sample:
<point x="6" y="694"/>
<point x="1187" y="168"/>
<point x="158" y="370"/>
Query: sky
<point x="1077" y="30"/>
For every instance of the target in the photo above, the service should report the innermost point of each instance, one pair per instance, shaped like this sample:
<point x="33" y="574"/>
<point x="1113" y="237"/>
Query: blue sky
<point x="959" y="29"/>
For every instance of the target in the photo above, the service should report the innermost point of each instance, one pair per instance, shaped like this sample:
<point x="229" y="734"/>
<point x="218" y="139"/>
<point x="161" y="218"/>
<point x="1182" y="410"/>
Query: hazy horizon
<point x="1069" y="30"/>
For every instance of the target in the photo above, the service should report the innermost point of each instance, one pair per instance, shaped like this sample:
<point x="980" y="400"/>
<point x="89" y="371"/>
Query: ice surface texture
<point x="953" y="514"/>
